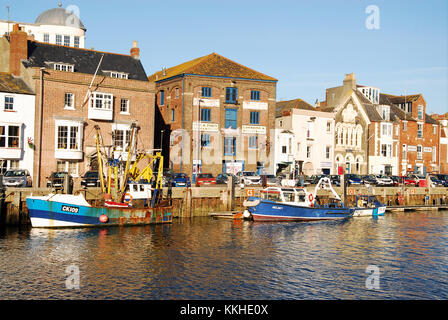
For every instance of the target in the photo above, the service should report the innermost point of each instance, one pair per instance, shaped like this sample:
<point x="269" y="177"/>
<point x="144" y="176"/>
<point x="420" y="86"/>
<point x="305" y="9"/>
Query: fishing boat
<point x="368" y="206"/>
<point x="296" y="204"/>
<point x="118" y="206"/>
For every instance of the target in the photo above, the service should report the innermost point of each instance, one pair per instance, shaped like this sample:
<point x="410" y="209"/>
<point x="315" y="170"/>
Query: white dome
<point x="60" y="17"/>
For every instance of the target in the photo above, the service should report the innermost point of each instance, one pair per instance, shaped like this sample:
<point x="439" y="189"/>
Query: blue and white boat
<point x="368" y="206"/>
<point x="295" y="204"/>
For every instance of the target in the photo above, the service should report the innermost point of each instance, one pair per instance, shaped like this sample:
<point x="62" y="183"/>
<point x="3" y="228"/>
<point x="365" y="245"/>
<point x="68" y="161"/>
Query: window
<point x="386" y="150"/>
<point x="308" y="151"/>
<point x="118" y="75"/>
<point x="255" y="95"/>
<point x="386" y="129"/>
<point x="176" y="92"/>
<point x="229" y="146"/>
<point x="206" y="92"/>
<point x="434" y="154"/>
<point x="327" y="152"/>
<point x="101" y="101"/>
<point x="231" y="118"/>
<point x="68" y="137"/>
<point x="405" y="125"/>
<point x="205" y="115"/>
<point x="67" y="41"/>
<point x="121" y="139"/>
<point x="173" y="115"/>
<point x="162" y="98"/>
<point x="404" y="152"/>
<point x="434" y="129"/>
<point x="76" y="42"/>
<point x="253" y="142"/>
<point x="420" y="130"/>
<point x="328" y="126"/>
<point x="9" y="136"/>
<point x="254" y="117"/>
<point x="63" y="67"/>
<point x="419" y="153"/>
<point x="59" y="39"/>
<point x="9" y="103"/>
<point x="46" y="37"/>
<point x="67" y="166"/>
<point x="205" y="140"/>
<point x="420" y="112"/>
<point x="231" y="95"/>
<point x="124" y="106"/>
<point x="69" y="101"/>
<point x="284" y="149"/>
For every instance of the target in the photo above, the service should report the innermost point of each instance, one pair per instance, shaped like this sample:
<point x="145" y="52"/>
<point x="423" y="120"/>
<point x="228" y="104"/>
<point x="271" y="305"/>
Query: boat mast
<point x="134" y="129"/>
<point x="100" y="161"/>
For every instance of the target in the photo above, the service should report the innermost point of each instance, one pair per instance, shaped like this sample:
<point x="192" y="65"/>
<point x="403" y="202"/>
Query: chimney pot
<point x="18" y="49"/>
<point x="135" y="51"/>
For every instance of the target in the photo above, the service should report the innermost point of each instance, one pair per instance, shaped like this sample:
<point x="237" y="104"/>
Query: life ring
<point x="310" y="197"/>
<point x="400" y="200"/>
<point x="127" y="195"/>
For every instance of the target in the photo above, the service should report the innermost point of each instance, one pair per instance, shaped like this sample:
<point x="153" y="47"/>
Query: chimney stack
<point x="18" y="49"/>
<point x="350" y="81"/>
<point x="135" y="51"/>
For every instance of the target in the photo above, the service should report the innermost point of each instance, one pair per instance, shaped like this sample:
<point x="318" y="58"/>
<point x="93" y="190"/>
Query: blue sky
<point x="307" y="45"/>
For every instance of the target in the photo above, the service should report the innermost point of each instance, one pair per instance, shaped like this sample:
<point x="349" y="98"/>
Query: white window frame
<point x="72" y="100"/>
<point x="7" y="137"/>
<point x="309" y="150"/>
<point x="65" y="37"/>
<point x="68" y="139"/>
<point x="404" y="152"/>
<point x="9" y="103"/>
<point x="76" y="41"/>
<point x="126" y="101"/>
<point x="46" y="37"/>
<point x="126" y="131"/>
<point x="60" y="40"/>
<point x="106" y="101"/>
<point x="419" y="153"/>
<point x="420" y="112"/>
<point x="327" y="152"/>
<point x="66" y="167"/>
<point x="64" y="67"/>
<point x="419" y="131"/>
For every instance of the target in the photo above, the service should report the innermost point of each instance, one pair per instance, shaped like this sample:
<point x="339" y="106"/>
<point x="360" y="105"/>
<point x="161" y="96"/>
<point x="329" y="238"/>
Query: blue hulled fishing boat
<point x="296" y="204"/>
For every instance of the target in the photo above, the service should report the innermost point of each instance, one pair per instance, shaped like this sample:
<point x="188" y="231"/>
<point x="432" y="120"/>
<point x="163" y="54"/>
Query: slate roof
<point x="401" y="99"/>
<point x="84" y="60"/>
<point x="12" y="84"/>
<point x="211" y="65"/>
<point x="292" y="104"/>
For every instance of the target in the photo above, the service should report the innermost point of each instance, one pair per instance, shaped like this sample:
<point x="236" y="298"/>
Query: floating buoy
<point x="246" y="214"/>
<point x="127" y="198"/>
<point x="103" y="218"/>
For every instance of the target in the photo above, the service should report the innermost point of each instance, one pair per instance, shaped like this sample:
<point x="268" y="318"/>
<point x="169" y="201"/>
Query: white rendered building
<point x="56" y="26"/>
<point x="17" y="113"/>
<point x="304" y="139"/>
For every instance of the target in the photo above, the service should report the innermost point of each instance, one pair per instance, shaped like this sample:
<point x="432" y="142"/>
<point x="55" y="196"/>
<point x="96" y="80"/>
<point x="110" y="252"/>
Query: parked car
<point x="408" y="181"/>
<point x="443" y="178"/>
<point x="57" y="179"/>
<point x="222" y="178"/>
<point x="383" y="180"/>
<point x="271" y="180"/>
<point x="91" y="179"/>
<point x="315" y="178"/>
<point x="180" y="180"/>
<point x="435" y="182"/>
<point x="417" y="178"/>
<point x="205" y="179"/>
<point x="353" y="179"/>
<point x="335" y="180"/>
<point x="18" y="178"/>
<point x="396" y="180"/>
<point x="248" y="177"/>
<point x="369" y="180"/>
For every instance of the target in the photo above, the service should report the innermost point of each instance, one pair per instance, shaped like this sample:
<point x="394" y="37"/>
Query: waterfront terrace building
<point x="75" y="90"/>
<point x="17" y="102"/>
<point x="443" y="149"/>
<point x="304" y="138"/>
<point x="419" y="135"/>
<point x="216" y="116"/>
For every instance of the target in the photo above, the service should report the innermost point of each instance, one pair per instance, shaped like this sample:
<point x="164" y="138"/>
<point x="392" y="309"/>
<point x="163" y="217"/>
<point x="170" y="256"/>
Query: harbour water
<point x="206" y="258"/>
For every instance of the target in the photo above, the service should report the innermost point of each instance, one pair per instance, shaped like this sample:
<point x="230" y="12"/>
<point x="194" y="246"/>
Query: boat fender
<point x="246" y="214"/>
<point x="360" y="203"/>
<point x="103" y="218"/>
<point x="310" y="197"/>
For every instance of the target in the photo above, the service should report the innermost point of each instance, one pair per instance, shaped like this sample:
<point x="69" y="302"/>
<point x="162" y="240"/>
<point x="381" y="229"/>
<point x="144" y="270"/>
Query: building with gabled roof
<point x="17" y="104"/>
<point x="214" y="115"/>
<point x="75" y="90"/>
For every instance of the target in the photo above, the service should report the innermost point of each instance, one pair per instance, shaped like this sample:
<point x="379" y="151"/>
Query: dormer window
<point x="64" y="67"/>
<point x="116" y="74"/>
<point x="385" y="113"/>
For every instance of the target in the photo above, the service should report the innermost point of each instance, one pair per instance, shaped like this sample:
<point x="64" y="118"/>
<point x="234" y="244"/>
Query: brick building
<point x="419" y="135"/>
<point x="215" y="115"/>
<point x="443" y="148"/>
<point x="75" y="90"/>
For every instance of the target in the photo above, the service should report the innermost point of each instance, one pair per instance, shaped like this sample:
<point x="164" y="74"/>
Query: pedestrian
<point x="301" y="179"/>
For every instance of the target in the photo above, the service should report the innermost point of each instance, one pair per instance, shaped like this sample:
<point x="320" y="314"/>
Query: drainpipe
<point x="182" y="124"/>
<point x="39" y="132"/>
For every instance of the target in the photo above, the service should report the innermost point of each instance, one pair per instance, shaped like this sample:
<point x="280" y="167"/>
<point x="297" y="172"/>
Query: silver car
<point x="248" y="177"/>
<point x="17" y="178"/>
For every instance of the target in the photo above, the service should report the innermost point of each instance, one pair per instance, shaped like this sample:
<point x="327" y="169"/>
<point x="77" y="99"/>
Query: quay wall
<point x="196" y="202"/>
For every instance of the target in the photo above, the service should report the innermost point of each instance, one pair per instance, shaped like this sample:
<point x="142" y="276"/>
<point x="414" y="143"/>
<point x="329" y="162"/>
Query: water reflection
<point x="219" y="259"/>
